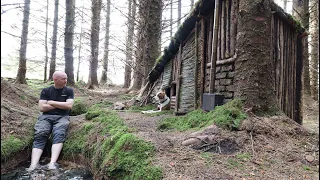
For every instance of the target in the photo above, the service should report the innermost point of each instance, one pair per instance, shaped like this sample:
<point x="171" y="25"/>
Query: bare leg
<point x="35" y="157"/>
<point x="55" y="152"/>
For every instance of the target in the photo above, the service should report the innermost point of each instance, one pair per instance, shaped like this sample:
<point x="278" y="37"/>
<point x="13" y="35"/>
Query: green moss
<point x="11" y="145"/>
<point x="115" y="153"/>
<point x="79" y="107"/>
<point x="128" y="159"/>
<point x="228" y="116"/>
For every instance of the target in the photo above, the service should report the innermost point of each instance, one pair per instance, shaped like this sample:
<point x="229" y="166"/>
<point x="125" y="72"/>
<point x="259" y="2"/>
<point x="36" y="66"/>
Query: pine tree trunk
<point x="314" y="30"/>
<point x="300" y="10"/>
<point x="80" y="44"/>
<point x="21" y="76"/>
<point x="179" y="13"/>
<point x="129" y="43"/>
<point x="68" y="40"/>
<point x="171" y="18"/>
<point x="54" y="41"/>
<point x="192" y="4"/>
<point x="285" y="5"/>
<point x="104" y="76"/>
<point x="153" y="35"/>
<point x="141" y="40"/>
<point x="46" y="45"/>
<point x="253" y="80"/>
<point x="94" y="43"/>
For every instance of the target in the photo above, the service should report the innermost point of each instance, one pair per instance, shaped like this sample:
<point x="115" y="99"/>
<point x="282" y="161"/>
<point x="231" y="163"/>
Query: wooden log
<point x="196" y="67"/>
<point x="278" y="63"/>
<point x="219" y="34"/>
<point x="281" y="64"/>
<point x="178" y="78"/>
<point x="214" y="47"/>
<point x="227" y="53"/>
<point x="294" y="74"/>
<point x="233" y="26"/>
<point x="224" y="61"/>
<point x="203" y="59"/>
<point x="209" y="48"/>
<point x="223" y="30"/>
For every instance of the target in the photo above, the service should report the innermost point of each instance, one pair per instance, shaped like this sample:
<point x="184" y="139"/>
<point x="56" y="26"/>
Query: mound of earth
<point x="18" y="108"/>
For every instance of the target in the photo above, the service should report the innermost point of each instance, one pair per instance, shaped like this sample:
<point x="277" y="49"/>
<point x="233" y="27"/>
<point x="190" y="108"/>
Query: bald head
<point x="60" y="79"/>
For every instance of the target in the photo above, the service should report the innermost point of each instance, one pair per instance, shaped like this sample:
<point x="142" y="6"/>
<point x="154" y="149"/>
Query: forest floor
<point x="273" y="148"/>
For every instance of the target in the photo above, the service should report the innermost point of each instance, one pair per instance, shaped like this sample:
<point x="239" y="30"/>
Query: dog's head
<point x="161" y="95"/>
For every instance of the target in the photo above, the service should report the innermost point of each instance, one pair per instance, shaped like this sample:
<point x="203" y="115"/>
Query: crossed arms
<point x="46" y="106"/>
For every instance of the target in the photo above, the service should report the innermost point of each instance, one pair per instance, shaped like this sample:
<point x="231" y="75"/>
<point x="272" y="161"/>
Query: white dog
<point x="163" y="101"/>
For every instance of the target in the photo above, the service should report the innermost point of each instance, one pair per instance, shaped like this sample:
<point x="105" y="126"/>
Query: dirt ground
<point x="264" y="148"/>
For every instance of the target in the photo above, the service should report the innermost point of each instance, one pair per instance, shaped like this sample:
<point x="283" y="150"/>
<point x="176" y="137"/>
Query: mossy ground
<point x="228" y="116"/>
<point x="116" y="153"/>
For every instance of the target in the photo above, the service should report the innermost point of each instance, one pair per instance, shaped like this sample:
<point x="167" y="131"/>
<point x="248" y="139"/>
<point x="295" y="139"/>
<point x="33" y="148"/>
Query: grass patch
<point x="227" y="116"/>
<point x="114" y="151"/>
<point x="244" y="157"/>
<point x="306" y="168"/>
<point x="79" y="107"/>
<point x="127" y="96"/>
<point x="37" y="84"/>
<point x="232" y="163"/>
<point x="142" y="108"/>
<point x="207" y="156"/>
<point x="12" y="144"/>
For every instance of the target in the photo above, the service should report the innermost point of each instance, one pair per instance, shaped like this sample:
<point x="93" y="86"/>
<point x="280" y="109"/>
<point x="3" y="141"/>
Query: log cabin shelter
<point x="200" y="63"/>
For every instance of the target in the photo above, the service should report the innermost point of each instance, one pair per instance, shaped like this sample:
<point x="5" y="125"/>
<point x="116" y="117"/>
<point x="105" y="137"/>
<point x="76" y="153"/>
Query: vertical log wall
<point x="286" y="67"/>
<point x="188" y="84"/>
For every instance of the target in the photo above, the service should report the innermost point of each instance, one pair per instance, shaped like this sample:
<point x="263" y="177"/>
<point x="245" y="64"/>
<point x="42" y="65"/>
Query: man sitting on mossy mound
<point x="55" y="102"/>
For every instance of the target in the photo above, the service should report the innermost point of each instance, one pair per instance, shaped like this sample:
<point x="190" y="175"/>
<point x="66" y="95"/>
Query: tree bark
<point x="254" y="77"/>
<point x="54" y="40"/>
<point x="104" y="76"/>
<point x="171" y="18"/>
<point x="153" y="31"/>
<point x="80" y="44"/>
<point x="179" y="13"/>
<point x="21" y="76"/>
<point x="300" y="10"/>
<point x="129" y="43"/>
<point x="46" y="45"/>
<point x="94" y="43"/>
<point x="314" y="30"/>
<point x="68" y="40"/>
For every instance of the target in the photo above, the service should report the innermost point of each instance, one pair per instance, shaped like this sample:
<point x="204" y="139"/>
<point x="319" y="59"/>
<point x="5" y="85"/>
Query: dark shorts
<point x="47" y="124"/>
